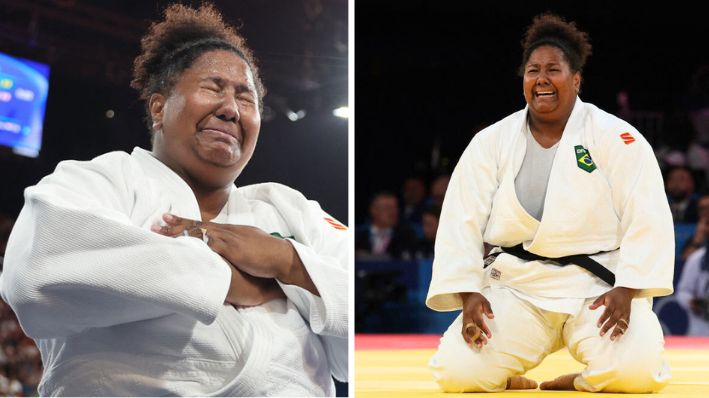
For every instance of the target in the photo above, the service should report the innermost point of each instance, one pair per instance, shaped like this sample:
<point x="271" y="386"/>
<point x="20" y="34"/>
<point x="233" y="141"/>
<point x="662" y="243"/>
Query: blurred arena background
<point x="429" y="75"/>
<point x="89" y="47"/>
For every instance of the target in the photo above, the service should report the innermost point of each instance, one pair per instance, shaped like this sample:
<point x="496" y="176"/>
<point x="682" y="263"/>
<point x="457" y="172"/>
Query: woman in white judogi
<point x="104" y="271"/>
<point x="558" y="178"/>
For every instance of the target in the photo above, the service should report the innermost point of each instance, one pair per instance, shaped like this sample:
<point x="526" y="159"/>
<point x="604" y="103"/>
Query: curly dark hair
<point x="173" y="44"/>
<point x="551" y="29"/>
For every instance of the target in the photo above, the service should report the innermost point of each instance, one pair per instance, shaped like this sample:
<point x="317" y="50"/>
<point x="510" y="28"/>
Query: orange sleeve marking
<point x="627" y="138"/>
<point x="335" y="224"/>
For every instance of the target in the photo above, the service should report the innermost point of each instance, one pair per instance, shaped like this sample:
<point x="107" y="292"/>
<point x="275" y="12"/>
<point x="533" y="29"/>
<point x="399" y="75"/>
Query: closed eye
<point x="211" y="86"/>
<point x="246" y="98"/>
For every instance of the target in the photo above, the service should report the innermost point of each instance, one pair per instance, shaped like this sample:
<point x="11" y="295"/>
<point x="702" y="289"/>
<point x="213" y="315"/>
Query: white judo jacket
<point x="605" y="194"/>
<point x="119" y="310"/>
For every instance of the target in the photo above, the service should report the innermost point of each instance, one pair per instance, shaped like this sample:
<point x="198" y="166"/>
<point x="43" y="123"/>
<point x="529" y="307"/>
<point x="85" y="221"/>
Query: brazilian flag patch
<point x="583" y="159"/>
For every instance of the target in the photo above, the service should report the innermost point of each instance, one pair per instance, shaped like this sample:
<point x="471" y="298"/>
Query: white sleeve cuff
<point x="326" y="314"/>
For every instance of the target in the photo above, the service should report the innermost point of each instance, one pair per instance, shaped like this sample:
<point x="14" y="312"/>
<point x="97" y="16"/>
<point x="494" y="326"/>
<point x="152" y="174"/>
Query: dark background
<point x="429" y="74"/>
<point x="90" y="47"/>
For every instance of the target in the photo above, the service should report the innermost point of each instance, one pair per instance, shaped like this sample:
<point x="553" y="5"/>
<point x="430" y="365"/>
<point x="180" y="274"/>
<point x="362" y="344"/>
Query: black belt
<point x="582" y="260"/>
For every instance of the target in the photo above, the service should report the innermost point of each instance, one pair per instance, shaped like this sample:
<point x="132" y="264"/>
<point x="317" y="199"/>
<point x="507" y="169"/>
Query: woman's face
<point x="550" y="87"/>
<point x="206" y="129"/>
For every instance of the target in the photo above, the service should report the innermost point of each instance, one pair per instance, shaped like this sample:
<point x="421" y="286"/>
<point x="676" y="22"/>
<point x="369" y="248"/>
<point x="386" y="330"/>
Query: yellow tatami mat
<point x="402" y="372"/>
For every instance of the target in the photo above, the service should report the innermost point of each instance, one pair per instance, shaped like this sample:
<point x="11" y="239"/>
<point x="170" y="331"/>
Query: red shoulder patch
<point x="627" y="138"/>
<point x="335" y="224"/>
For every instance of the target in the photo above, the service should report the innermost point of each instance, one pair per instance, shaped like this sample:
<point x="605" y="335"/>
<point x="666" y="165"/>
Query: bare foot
<point x="520" y="383"/>
<point x="565" y="382"/>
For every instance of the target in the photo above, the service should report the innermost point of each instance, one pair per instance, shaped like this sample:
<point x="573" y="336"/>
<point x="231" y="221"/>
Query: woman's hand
<point x="475" y="305"/>
<point x="617" y="313"/>
<point x="246" y="290"/>
<point x="248" y="248"/>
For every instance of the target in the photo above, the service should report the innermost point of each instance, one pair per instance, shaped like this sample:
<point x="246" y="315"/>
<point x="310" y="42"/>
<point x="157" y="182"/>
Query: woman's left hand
<point x="248" y="248"/>
<point x="617" y="313"/>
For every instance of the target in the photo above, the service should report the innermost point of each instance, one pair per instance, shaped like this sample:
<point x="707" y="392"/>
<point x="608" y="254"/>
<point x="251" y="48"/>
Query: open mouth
<point x="544" y="94"/>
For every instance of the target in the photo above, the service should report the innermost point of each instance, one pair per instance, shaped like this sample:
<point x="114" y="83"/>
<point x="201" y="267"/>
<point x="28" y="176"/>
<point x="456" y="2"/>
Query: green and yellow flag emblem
<point x="583" y="159"/>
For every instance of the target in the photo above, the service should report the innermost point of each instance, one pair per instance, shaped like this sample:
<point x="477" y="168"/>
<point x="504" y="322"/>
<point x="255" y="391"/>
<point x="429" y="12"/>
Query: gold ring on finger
<point x="472" y="331"/>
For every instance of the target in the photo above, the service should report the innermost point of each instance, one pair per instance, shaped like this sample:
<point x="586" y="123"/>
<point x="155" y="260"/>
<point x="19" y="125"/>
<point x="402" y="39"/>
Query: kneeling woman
<point x="572" y="197"/>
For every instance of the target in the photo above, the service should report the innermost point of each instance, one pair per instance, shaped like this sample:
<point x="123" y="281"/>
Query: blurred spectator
<point x="693" y="292"/>
<point x="10" y="387"/>
<point x="679" y="185"/>
<point x="384" y="236"/>
<point x="701" y="232"/>
<point x="414" y="197"/>
<point x="426" y="244"/>
<point x="20" y="362"/>
<point x="438" y="189"/>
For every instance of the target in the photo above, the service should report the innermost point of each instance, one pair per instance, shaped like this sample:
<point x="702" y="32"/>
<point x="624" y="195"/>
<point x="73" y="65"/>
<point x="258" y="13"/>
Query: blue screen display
<point x="24" y="85"/>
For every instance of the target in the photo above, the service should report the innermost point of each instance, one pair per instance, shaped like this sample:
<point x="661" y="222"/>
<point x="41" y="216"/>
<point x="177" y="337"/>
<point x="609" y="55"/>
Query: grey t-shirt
<point x="533" y="176"/>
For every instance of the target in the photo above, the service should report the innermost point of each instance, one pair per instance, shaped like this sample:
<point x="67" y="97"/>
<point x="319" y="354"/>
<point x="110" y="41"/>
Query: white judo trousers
<point x="605" y="198"/>
<point x="524" y="334"/>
